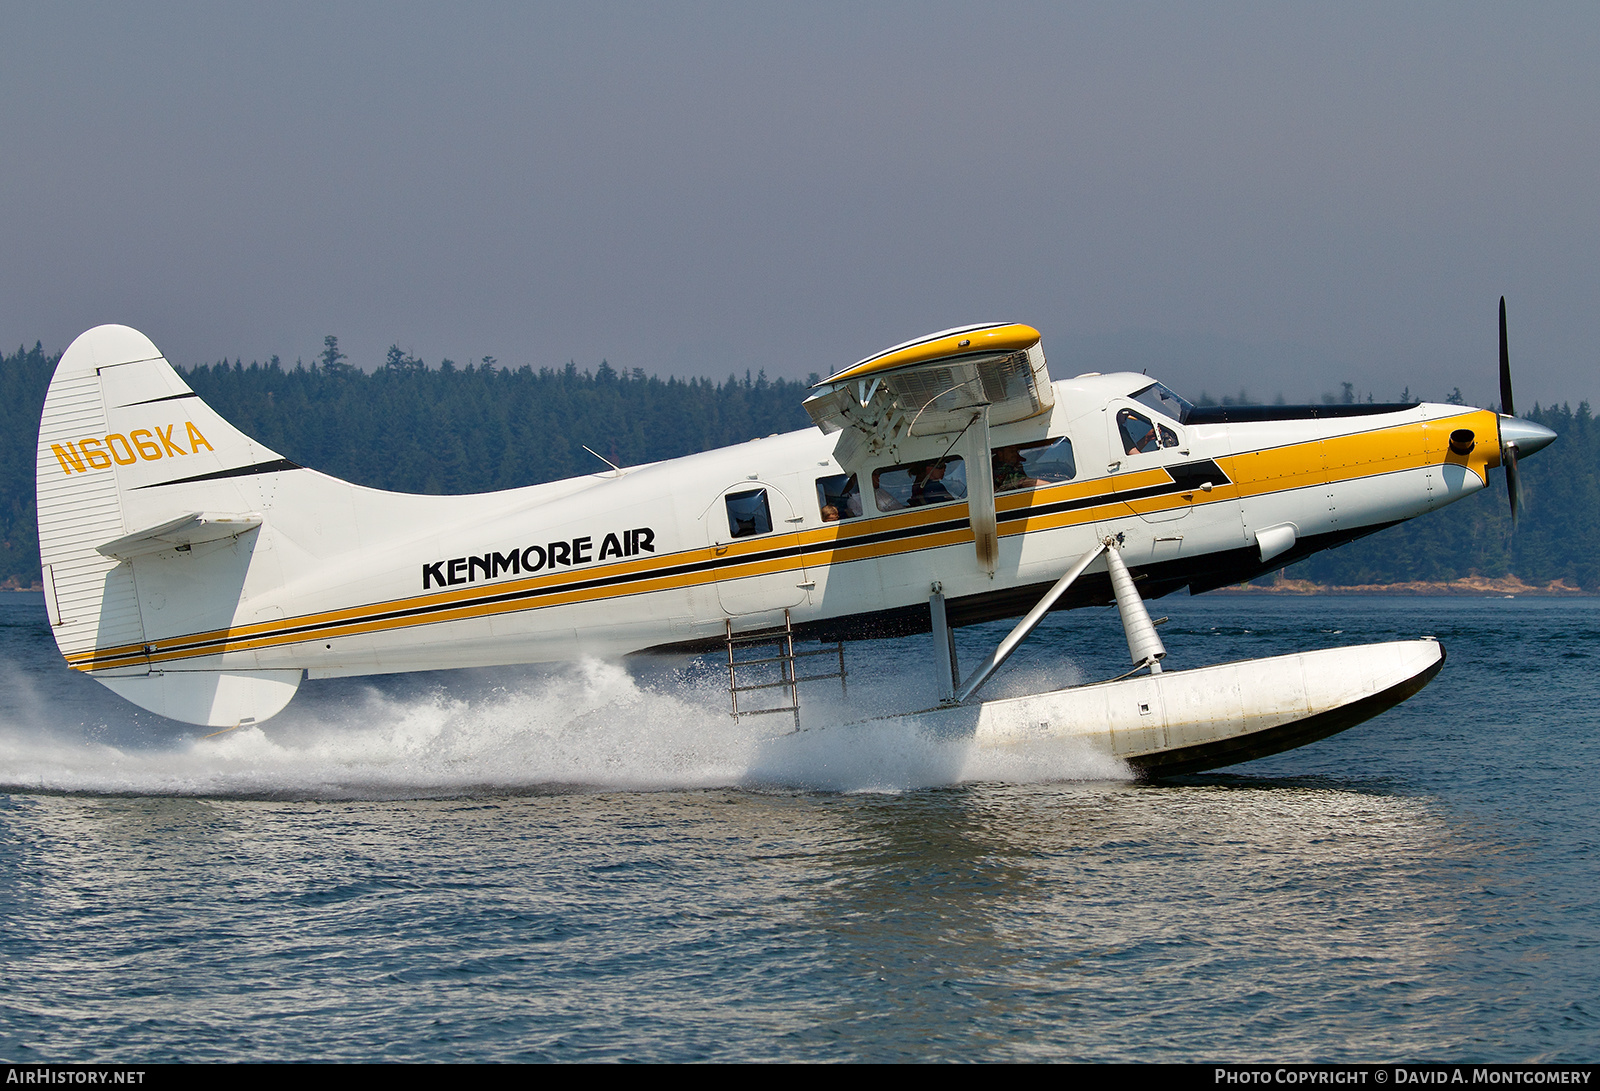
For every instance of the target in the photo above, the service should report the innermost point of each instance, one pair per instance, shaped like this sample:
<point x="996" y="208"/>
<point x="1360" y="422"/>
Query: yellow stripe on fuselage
<point x="1295" y="465"/>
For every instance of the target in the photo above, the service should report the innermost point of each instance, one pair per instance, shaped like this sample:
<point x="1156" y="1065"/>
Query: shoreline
<point x="1466" y="587"/>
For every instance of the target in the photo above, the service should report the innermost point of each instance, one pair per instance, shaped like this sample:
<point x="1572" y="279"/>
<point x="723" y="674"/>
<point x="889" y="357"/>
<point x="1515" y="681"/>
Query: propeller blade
<point x="1508" y="451"/>
<point x="1513" y="482"/>
<point x="1505" y="365"/>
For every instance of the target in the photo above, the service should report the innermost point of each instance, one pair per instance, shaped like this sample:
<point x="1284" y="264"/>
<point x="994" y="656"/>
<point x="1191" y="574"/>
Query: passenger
<point x="929" y="486"/>
<point x="838" y="497"/>
<point x="1011" y="471"/>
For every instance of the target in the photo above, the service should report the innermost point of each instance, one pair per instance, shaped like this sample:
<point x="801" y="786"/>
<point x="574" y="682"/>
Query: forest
<point x="447" y="428"/>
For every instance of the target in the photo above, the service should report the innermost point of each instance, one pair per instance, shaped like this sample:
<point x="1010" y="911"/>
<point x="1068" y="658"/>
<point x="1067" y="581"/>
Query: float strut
<point x="944" y="648"/>
<point x="1016" y="636"/>
<point x="1144" y="646"/>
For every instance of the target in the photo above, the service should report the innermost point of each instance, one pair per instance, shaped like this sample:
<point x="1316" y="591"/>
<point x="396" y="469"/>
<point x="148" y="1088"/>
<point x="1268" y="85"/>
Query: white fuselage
<point x="342" y="580"/>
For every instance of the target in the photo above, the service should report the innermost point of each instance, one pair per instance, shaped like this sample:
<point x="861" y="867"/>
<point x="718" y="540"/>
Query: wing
<point x="956" y="382"/>
<point x="933" y="385"/>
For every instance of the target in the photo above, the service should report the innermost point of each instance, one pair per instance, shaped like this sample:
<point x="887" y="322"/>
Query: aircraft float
<point x="948" y="481"/>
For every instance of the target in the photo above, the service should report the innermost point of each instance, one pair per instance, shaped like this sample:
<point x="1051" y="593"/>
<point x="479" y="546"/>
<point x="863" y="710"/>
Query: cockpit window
<point x="1163" y="401"/>
<point x="838" y="497"/>
<point x="917" y="483"/>
<point x="1137" y="432"/>
<point x="1029" y="465"/>
<point x="1140" y="435"/>
<point x="748" y="513"/>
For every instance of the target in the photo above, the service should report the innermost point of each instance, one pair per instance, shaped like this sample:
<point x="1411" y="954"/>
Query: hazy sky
<point x="1278" y="196"/>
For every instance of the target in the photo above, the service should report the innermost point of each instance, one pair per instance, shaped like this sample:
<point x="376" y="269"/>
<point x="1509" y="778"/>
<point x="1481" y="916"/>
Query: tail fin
<point x="149" y="508"/>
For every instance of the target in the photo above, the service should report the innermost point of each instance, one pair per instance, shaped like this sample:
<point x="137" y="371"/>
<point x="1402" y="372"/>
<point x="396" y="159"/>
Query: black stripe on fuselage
<point x="1254" y="414"/>
<point x="1185" y="477"/>
<point x="531" y="595"/>
<point x="1180" y="476"/>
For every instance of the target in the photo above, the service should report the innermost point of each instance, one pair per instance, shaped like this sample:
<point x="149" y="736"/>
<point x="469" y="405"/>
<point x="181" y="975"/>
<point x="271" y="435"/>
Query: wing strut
<point x="1016" y="636"/>
<point x="980" y="490"/>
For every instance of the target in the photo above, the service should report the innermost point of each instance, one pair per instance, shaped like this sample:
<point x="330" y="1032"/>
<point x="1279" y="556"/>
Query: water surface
<point x="593" y="862"/>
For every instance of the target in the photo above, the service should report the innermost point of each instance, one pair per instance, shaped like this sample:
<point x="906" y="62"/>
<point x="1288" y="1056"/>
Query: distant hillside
<point x="481" y="428"/>
<point x="449" y="429"/>
<point x="430" y="430"/>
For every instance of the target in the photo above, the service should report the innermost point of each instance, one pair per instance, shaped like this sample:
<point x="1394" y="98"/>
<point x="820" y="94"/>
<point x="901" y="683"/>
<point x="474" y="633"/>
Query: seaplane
<point x="948" y="481"/>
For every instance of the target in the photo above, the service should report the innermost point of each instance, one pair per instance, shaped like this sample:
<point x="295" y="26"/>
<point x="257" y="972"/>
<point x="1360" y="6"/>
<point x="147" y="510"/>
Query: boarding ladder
<point x="785" y="663"/>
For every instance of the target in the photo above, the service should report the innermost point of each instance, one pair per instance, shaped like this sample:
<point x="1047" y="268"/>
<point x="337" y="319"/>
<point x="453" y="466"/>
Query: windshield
<point x="1164" y="401"/>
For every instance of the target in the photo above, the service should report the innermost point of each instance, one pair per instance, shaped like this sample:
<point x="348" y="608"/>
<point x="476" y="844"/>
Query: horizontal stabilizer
<point x="186" y="530"/>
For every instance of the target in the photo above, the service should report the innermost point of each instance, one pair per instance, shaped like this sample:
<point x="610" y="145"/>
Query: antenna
<point x="602" y="458"/>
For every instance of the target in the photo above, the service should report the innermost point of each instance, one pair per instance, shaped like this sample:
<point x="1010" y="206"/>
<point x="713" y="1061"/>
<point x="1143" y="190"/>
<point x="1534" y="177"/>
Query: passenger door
<point x="756" y="549"/>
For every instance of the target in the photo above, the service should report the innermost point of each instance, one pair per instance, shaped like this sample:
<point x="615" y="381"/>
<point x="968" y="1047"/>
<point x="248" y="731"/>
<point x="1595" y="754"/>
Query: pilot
<point x="1138" y="434"/>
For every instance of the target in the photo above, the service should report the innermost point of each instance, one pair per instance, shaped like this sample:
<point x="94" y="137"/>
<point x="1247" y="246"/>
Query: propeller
<point x="1508" y="448"/>
<point x="1518" y="438"/>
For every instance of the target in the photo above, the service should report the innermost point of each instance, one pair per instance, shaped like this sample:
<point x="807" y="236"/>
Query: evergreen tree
<point x="410" y="428"/>
<point x="332" y="358"/>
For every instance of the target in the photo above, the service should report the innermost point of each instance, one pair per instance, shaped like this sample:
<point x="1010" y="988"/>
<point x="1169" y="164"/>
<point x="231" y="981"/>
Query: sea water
<point x="596" y="862"/>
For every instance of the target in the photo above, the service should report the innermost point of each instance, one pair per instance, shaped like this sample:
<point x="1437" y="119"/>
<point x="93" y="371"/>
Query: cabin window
<point x="917" y="483"/>
<point x="748" y="513"/>
<point x="1029" y="465"/>
<point x="838" y="497"/>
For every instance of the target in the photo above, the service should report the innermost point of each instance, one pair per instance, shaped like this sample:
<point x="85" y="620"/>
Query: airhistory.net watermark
<point x="25" y="1075"/>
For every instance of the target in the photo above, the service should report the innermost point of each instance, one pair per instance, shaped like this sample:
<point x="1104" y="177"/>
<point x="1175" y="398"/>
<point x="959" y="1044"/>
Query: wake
<point x="584" y="727"/>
